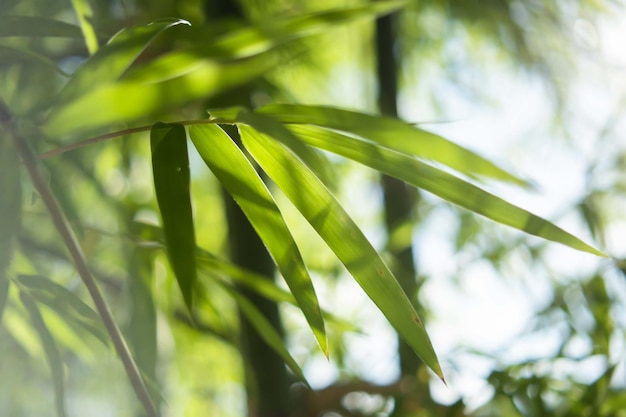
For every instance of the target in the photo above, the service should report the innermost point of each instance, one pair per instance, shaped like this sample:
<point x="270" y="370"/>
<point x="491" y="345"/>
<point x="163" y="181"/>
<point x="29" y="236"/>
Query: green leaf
<point x="264" y="328"/>
<point x="113" y="59"/>
<point x="10" y="198"/>
<point x="142" y="321"/>
<point x="343" y="236"/>
<point x="170" y="167"/>
<point x="34" y="26"/>
<point x="230" y="273"/>
<point x="52" y="352"/>
<point x="264" y="37"/>
<point x="151" y="92"/>
<point x="85" y="18"/>
<point x="393" y="134"/>
<point x="258" y="283"/>
<point x="4" y="294"/>
<point x="313" y="159"/>
<point x="440" y="183"/>
<point x="9" y="55"/>
<point x="240" y="179"/>
<point x="65" y="303"/>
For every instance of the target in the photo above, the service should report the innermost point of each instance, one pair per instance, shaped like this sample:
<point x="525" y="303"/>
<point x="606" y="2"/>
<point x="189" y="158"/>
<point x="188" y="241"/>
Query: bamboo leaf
<point x="240" y="179"/>
<point x="65" y="303"/>
<point x="85" y="18"/>
<point x="142" y="322"/>
<point x="268" y="333"/>
<point x="313" y="159"/>
<point x="4" y="294"/>
<point x="10" y="200"/>
<point x="396" y="135"/>
<point x="147" y="95"/>
<point x="170" y="167"/>
<point x="52" y="352"/>
<point x="35" y="26"/>
<point x="113" y="60"/>
<point x="263" y="37"/>
<point x="252" y="280"/>
<point x="9" y="55"/>
<point x="440" y="183"/>
<point x="343" y="236"/>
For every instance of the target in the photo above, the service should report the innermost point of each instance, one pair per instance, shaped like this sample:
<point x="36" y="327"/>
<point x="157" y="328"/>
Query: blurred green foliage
<point x="102" y="70"/>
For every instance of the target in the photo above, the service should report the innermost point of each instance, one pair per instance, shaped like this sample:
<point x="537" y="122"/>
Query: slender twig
<point x="62" y="226"/>
<point x="119" y="133"/>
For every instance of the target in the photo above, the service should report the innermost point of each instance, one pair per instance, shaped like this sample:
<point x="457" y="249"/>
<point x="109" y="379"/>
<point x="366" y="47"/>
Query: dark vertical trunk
<point x="399" y="199"/>
<point x="267" y="380"/>
<point x="266" y="376"/>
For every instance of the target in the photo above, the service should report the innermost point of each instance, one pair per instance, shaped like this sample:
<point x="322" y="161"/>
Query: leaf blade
<point x="264" y="328"/>
<point x="65" y="303"/>
<point x="240" y="179"/>
<point x="50" y="349"/>
<point x="134" y="98"/>
<point x="113" y="59"/>
<point x="344" y="237"/>
<point x="396" y="135"/>
<point x="85" y="19"/>
<point x="35" y="26"/>
<point x="170" y="168"/>
<point x="440" y="183"/>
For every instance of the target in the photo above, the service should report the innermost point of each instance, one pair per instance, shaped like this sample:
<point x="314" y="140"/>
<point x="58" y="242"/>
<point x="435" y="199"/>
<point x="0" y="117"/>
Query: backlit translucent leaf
<point x="85" y="18"/>
<point x="52" y="352"/>
<point x="440" y="183"/>
<point x="140" y="97"/>
<point x="170" y="168"/>
<point x="66" y="304"/>
<point x="267" y="35"/>
<point x="264" y="328"/>
<point x="313" y="159"/>
<point x="343" y="236"/>
<point x="393" y="134"/>
<point x="34" y="26"/>
<point x="240" y="179"/>
<point x="113" y="59"/>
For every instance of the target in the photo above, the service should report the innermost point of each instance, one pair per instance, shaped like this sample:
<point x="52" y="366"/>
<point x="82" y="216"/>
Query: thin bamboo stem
<point x="60" y="222"/>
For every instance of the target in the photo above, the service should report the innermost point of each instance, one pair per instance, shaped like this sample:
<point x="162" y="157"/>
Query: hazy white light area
<point x="487" y="311"/>
<point x="475" y="306"/>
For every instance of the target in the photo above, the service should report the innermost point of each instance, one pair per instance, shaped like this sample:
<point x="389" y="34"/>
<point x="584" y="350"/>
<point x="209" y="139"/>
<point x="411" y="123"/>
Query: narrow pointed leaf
<point x="51" y="350"/>
<point x="394" y="134"/>
<point x="260" y="284"/>
<point x="314" y="160"/>
<point x="35" y="26"/>
<point x="65" y="303"/>
<point x="263" y="37"/>
<point x="240" y="179"/>
<point x="4" y="294"/>
<point x="264" y="328"/>
<point x="170" y="168"/>
<point x="9" y="55"/>
<point x="10" y="204"/>
<point x="142" y="322"/>
<point x="343" y="236"/>
<point x="85" y="18"/>
<point x="113" y="59"/>
<point x="152" y="93"/>
<point x="440" y="183"/>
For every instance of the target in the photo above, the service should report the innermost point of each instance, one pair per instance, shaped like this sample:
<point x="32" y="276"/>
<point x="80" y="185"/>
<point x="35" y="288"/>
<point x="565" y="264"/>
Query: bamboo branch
<point x="62" y="226"/>
<point x="119" y="133"/>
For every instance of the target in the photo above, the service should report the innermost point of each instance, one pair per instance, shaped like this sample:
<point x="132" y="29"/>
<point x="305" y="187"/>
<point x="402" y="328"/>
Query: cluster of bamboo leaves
<point x="122" y="84"/>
